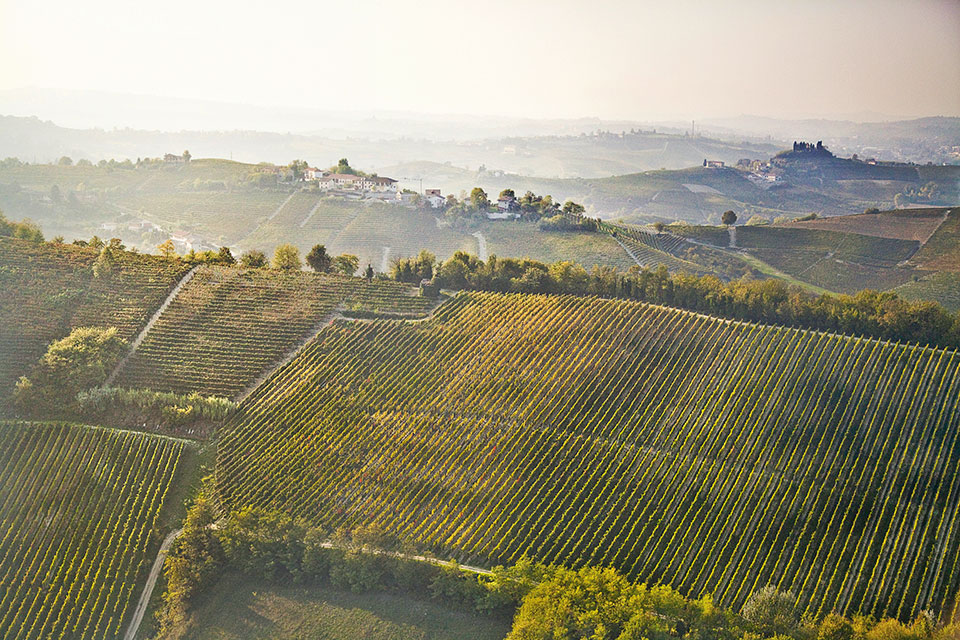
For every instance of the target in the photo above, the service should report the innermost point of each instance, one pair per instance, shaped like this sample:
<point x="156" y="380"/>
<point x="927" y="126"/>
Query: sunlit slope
<point x="78" y="509"/>
<point x="48" y="289"/>
<point x="228" y="326"/>
<point x="708" y="454"/>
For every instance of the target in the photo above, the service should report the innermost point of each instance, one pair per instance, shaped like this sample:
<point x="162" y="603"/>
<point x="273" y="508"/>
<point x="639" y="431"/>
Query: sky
<point x="613" y="59"/>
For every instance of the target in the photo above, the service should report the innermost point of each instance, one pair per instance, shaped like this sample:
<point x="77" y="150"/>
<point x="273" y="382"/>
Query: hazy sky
<point x="537" y="58"/>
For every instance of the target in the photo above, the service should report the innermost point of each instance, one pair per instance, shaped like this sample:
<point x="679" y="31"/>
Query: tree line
<point x="883" y="315"/>
<point x="544" y="601"/>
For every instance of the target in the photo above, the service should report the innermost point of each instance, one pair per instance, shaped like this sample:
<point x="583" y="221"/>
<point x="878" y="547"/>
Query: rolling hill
<point x="47" y="289"/>
<point x="79" y="522"/>
<point x="711" y="455"/>
<point x="227" y="326"/>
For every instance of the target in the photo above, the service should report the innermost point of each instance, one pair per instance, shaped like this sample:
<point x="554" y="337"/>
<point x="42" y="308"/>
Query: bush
<point x="771" y="611"/>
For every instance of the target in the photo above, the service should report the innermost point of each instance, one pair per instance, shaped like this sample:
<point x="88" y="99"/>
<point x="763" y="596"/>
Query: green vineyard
<point x="48" y="289"/>
<point x="711" y="455"/>
<point x="227" y="326"/>
<point x="78" y="511"/>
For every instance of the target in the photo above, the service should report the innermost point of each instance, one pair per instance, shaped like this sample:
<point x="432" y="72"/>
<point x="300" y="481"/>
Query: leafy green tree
<point x="287" y="258"/>
<point x="659" y="227"/>
<point x="347" y="264"/>
<point x="728" y="217"/>
<point x="225" y="256"/>
<point x="573" y="209"/>
<point x="194" y="562"/>
<point x="298" y="168"/>
<point x="78" y="362"/>
<point x="343" y="166"/>
<point x="253" y="259"/>
<point x="107" y="262"/>
<point x="368" y="272"/>
<point x="479" y="200"/>
<point x="65" y="161"/>
<point x="319" y="260"/>
<point x="508" y="193"/>
<point x="835" y="627"/>
<point x="167" y="249"/>
<point x="772" y="611"/>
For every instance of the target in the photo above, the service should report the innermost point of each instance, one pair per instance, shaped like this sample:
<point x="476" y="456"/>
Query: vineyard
<point x="223" y="217"/>
<point x="228" y="326"/>
<point x="78" y="511"/>
<point x="711" y="455"/>
<point x="48" y="289"/>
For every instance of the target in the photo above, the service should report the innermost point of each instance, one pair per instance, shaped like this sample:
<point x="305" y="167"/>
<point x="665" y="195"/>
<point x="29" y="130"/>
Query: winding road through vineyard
<point x="712" y="455"/>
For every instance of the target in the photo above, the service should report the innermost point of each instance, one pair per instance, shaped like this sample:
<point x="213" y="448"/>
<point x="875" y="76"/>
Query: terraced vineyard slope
<point x="48" y="289"/>
<point x="78" y="507"/>
<point x="228" y="326"/>
<point x="711" y="455"/>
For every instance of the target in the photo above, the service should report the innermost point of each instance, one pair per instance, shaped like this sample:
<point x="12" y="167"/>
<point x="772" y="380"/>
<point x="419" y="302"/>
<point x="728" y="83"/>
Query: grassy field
<point x="240" y="609"/>
<point x="79" y="520"/>
<point x="710" y="455"/>
<point x="525" y="240"/>
<point x="902" y="224"/>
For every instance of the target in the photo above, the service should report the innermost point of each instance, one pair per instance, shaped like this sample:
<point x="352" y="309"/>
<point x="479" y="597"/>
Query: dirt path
<point x="385" y="261"/>
<point x="630" y="253"/>
<point x="153" y="319"/>
<point x="263" y="377"/>
<point x="267" y="220"/>
<point x="312" y="211"/>
<point x="481" y="246"/>
<point x="148" y="588"/>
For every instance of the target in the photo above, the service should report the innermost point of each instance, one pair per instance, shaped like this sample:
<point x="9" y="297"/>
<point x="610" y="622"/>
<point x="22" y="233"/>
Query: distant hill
<point x="918" y="140"/>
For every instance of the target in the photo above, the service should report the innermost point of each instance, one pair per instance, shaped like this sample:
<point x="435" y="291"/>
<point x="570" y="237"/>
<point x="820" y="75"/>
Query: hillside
<point x="48" y="289"/>
<point x="79" y="522"/>
<point x="710" y="455"/>
<point x="909" y="250"/>
<point x="228" y="326"/>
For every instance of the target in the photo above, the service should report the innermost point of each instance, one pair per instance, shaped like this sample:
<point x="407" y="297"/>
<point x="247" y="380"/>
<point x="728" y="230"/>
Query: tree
<point x="571" y="208"/>
<point x="78" y="362"/>
<point x="253" y="259"/>
<point x="107" y="261"/>
<point x="772" y="611"/>
<point x="167" y="249"/>
<point x="65" y="161"/>
<point x="343" y="166"/>
<point x="728" y="217"/>
<point x="659" y="227"/>
<point x="508" y="193"/>
<point x="225" y="256"/>
<point x="319" y="260"/>
<point x="835" y="627"/>
<point x="287" y="258"/>
<point x="298" y="168"/>
<point x="347" y="264"/>
<point x="186" y="156"/>
<point x="479" y="200"/>
<point x="368" y="272"/>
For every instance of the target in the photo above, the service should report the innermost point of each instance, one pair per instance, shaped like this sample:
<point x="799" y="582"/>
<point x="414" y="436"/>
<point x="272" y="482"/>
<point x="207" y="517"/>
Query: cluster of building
<point x="370" y="188"/>
<point x="759" y="172"/>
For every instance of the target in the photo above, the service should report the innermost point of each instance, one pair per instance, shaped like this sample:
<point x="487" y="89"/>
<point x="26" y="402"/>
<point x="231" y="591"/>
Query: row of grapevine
<point x="228" y="326"/>
<point x="648" y="256"/>
<point x="48" y="289"/>
<point x="711" y="455"/>
<point x="78" y="514"/>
